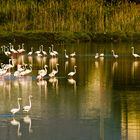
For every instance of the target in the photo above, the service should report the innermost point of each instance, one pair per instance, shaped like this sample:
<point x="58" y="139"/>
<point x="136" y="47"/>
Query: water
<point x="100" y="103"/>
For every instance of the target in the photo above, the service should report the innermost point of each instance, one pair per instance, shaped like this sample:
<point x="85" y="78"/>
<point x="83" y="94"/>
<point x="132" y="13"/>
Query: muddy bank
<point x="69" y="37"/>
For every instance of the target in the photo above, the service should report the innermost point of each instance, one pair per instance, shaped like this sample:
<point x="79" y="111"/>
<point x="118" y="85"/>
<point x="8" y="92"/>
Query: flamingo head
<point x="19" y="99"/>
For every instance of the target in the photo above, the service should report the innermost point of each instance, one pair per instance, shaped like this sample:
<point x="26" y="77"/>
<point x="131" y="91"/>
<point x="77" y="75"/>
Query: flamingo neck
<point x="18" y="105"/>
<point x="132" y="50"/>
<point x="45" y="68"/>
<point x="49" y="50"/>
<point x="52" y="48"/>
<point x="113" y="52"/>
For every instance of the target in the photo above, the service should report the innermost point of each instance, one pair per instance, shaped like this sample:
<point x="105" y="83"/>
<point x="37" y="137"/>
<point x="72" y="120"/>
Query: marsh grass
<point x="69" y="15"/>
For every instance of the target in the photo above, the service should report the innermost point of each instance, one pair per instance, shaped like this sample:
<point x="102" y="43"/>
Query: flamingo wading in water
<point x="71" y="74"/>
<point x="28" y="107"/>
<point x="15" y="110"/>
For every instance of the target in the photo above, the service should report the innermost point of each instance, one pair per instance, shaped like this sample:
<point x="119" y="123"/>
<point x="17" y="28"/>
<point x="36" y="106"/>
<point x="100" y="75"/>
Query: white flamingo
<point x="66" y="56"/>
<point x="39" y="51"/>
<point x="134" y="54"/>
<point x="28" y="107"/>
<point x="54" y="72"/>
<point x="12" y="49"/>
<point x="51" y="53"/>
<point x="43" y="52"/>
<point x="31" y="52"/>
<point x="71" y="74"/>
<point x="26" y="70"/>
<point x="42" y="72"/>
<point x="114" y="55"/>
<point x="96" y="55"/>
<point x="73" y="54"/>
<point x="8" y="66"/>
<point x="55" y="52"/>
<point x="15" y="110"/>
<point x="102" y="55"/>
<point x="7" y="52"/>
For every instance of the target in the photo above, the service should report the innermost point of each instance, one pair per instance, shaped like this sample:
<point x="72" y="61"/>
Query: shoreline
<point x="69" y="37"/>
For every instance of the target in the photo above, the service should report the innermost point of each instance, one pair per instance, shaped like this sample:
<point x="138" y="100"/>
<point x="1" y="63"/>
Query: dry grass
<point x="73" y="16"/>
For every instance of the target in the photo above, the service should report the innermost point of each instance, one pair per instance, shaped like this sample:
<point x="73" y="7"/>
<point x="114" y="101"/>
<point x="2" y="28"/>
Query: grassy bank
<point x="69" y="37"/>
<point x="68" y="16"/>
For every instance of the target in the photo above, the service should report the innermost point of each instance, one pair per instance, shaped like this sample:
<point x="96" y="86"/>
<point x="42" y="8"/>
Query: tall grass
<point x="68" y="15"/>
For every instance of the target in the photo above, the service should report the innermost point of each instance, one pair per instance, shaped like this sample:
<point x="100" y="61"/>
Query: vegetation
<point x="80" y="16"/>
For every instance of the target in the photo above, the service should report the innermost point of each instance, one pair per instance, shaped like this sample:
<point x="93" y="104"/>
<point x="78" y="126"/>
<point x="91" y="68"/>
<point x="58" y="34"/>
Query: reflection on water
<point x="17" y="123"/>
<point x="28" y="121"/>
<point x="102" y="98"/>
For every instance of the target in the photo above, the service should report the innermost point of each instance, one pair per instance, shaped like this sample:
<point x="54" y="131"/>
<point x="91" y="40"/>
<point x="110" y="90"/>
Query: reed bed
<point x="68" y="15"/>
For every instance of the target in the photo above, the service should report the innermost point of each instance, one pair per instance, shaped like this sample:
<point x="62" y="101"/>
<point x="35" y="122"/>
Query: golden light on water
<point x="130" y="120"/>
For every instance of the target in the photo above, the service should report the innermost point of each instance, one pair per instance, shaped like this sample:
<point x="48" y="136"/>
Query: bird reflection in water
<point x="28" y="120"/>
<point x="54" y="82"/>
<point x="134" y="68"/>
<point x="114" y="67"/>
<point x="16" y="123"/>
<point x="43" y="84"/>
<point x="72" y="82"/>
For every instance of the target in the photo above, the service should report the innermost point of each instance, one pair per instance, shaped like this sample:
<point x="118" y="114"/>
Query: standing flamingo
<point x="71" y="74"/>
<point x="28" y="107"/>
<point x="54" y="72"/>
<point x="15" y="110"/>
<point x="114" y="55"/>
<point x="31" y="52"/>
<point x="134" y="54"/>
<point x="66" y="56"/>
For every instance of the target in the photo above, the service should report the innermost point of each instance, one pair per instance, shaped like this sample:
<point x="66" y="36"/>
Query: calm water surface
<point x="102" y="102"/>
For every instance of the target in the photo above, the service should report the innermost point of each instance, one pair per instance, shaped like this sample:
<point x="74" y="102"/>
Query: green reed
<point x="68" y="15"/>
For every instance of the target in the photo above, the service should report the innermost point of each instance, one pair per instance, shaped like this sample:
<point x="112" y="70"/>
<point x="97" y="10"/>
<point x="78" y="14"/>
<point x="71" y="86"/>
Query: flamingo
<point x="12" y="49"/>
<point x="15" y="110"/>
<point x="101" y="54"/>
<point x="73" y="54"/>
<point x="66" y="56"/>
<point x="51" y="53"/>
<point x="134" y="54"/>
<point x="28" y="107"/>
<point x="96" y="55"/>
<point x="8" y="66"/>
<point x="43" y="52"/>
<point x="7" y="52"/>
<point x="39" y="51"/>
<point x="114" y="55"/>
<point x="42" y="72"/>
<point x="31" y="52"/>
<point x="71" y="74"/>
<point x="54" y="72"/>
<point x="55" y="52"/>
<point x="26" y="71"/>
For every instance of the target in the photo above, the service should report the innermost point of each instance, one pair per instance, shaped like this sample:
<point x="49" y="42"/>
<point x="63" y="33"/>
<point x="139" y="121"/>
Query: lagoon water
<point x="102" y="102"/>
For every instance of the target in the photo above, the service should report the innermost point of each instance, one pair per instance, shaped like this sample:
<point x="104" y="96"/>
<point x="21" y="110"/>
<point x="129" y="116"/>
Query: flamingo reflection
<point x="16" y="123"/>
<point x="135" y="65"/>
<point x="72" y="82"/>
<point x="27" y="120"/>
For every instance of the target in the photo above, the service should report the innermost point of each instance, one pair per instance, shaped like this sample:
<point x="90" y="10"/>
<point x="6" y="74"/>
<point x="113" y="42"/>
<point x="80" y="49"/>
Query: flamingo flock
<point x="18" y="68"/>
<point x="23" y="69"/>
